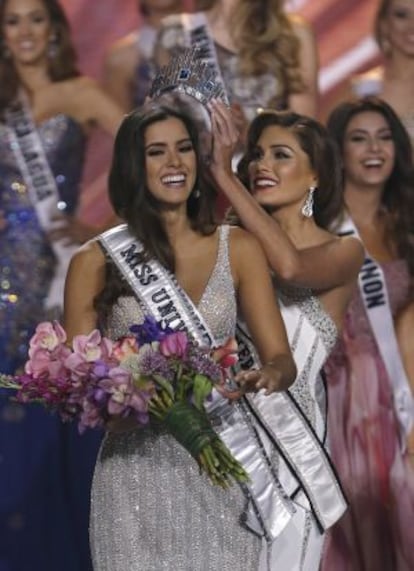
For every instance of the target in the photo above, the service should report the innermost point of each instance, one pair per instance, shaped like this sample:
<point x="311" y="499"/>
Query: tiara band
<point x="187" y="73"/>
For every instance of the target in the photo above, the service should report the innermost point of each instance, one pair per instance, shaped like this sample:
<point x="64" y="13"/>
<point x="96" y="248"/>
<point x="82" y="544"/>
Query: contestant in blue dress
<point x="46" y="466"/>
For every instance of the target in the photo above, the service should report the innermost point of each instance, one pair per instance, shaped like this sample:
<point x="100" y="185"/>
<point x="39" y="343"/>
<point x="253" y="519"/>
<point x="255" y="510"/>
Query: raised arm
<point x="258" y="305"/>
<point x="306" y="102"/>
<point x="118" y="71"/>
<point x="320" y="267"/>
<point x="91" y="104"/>
<point x="85" y="279"/>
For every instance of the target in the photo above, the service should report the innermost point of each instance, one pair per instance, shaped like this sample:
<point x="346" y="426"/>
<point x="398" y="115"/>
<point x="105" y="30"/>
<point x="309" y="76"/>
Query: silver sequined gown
<point x="151" y="509"/>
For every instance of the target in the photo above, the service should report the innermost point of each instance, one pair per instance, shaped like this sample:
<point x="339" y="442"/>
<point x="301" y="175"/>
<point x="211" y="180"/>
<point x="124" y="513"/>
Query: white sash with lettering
<point x="283" y="423"/>
<point x="373" y="289"/>
<point x="41" y="185"/>
<point x="197" y="34"/>
<point x="160" y="295"/>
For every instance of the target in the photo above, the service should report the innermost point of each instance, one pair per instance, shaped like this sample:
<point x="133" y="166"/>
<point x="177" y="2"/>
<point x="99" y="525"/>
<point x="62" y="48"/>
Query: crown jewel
<point x="187" y="73"/>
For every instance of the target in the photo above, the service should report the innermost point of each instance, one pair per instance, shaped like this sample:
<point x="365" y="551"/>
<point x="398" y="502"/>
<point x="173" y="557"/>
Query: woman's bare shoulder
<point x="88" y="258"/>
<point x="243" y="244"/>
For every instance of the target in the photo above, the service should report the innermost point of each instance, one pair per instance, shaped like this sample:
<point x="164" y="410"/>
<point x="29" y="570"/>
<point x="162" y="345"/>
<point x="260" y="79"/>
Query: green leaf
<point x="202" y="388"/>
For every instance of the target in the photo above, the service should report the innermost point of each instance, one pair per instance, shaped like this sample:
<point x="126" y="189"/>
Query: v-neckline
<point x="211" y="275"/>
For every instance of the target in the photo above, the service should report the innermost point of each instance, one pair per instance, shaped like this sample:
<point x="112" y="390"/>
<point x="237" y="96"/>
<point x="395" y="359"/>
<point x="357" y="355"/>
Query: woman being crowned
<point x="151" y="507"/>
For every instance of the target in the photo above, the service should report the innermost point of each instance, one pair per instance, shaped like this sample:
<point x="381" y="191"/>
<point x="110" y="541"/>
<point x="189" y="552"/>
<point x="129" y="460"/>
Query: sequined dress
<point x="250" y="92"/>
<point x="151" y="508"/>
<point x="39" y="457"/>
<point x="377" y="532"/>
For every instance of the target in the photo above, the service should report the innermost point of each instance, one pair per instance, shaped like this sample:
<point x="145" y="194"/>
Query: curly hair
<point x="398" y="195"/>
<point x="132" y="200"/>
<point x="266" y="42"/>
<point x="318" y="146"/>
<point x="62" y="66"/>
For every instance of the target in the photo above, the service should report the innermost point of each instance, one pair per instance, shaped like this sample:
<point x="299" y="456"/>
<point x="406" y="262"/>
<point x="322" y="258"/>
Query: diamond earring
<point x="307" y="208"/>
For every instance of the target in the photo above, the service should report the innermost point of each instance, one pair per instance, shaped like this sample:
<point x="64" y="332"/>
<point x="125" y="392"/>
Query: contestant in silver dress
<point x="151" y="508"/>
<point x="290" y="169"/>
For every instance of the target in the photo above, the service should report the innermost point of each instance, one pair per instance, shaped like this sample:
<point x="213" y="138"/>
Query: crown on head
<point x="188" y="73"/>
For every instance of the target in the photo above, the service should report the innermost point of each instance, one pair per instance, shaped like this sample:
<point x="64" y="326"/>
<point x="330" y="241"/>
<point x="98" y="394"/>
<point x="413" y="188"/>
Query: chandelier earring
<point x="307" y="208"/>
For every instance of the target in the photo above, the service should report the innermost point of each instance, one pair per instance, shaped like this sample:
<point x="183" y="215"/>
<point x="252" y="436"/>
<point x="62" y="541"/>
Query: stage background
<point x="343" y="30"/>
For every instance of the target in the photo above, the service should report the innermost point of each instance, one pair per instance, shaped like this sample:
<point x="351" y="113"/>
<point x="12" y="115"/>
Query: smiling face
<point x="398" y="26"/>
<point x="280" y="173"/>
<point x="170" y="161"/>
<point x="368" y="149"/>
<point x="26" y="30"/>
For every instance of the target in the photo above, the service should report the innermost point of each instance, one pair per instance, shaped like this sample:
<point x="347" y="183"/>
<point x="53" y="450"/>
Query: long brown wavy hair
<point x="61" y="66"/>
<point x="398" y="193"/>
<point x="132" y="200"/>
<point x="266" y="41"/>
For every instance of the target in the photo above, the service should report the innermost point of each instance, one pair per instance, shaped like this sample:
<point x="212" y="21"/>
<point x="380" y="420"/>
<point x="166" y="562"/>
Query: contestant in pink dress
<point x="377" y="532"/>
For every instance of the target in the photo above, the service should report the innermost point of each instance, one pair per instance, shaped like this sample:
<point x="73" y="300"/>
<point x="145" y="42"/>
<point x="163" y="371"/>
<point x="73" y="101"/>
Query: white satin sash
<point x="42" y="189"/>
<point x="374" y="293"/>
<point x="284" y="424"/>
<point x="161" y="296"/>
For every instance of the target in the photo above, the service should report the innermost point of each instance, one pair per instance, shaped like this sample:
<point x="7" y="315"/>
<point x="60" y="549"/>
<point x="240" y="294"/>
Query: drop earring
<point x="307" y="208"/>
<point x="196" y="193"/>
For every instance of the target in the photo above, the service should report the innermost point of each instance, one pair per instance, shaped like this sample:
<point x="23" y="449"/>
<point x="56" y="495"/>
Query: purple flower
<point x="174" y="344"/>
<point x="153" y="363"/>
<point x="201" y="363"/>
<point x="148" y="331"/>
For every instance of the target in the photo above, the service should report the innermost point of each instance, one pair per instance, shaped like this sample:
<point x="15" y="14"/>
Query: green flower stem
<point x="192" y="429"/>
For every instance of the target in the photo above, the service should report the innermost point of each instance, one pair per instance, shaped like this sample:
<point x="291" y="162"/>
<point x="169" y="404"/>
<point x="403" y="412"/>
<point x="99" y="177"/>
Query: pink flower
<point x="174" y="344"/>
<point x="78" y="366"/>
<point x="226" y="355"/>
<point x="119" y="386"/>
<point x="42" y="361"/>
<point x="125" y="347"/>
<point x="92" y="347"/>
<point x="47" y="336"/>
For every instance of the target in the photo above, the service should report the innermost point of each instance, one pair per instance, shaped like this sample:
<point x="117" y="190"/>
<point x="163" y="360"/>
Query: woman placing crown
<point x="290" y="169"/>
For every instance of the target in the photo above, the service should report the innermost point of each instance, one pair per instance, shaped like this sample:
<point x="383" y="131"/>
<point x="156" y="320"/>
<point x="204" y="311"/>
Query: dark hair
<point x="398" y="194"/>
<point x="380" y="18"/>
<point x="128" y="190"/>
<point x="61" y="66"/>
<point x="132" y="200"/>
<point x="315" y="142"/>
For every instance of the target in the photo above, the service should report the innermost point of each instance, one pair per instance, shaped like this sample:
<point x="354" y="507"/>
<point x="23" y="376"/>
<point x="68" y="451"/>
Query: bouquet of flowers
<point x="151" y="374"/>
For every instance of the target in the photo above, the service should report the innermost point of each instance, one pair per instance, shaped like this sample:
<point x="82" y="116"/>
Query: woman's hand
<point x="225" y="137"/>
<point x="269" y="378"/>
<point x="241" y="123"/>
